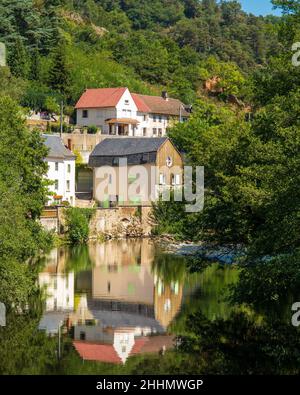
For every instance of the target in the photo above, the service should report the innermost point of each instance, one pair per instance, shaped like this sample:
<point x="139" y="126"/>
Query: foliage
<point x="77" y="222"/>
<point x="92" y="129"/>
<point x="231" y="79"/>
<point x="59" y="73"/>
<point x="241" y="345"/>
<point x="69" y="46"/>
<point x="32" y="351"/>
<point x="269" y="286"/>
<point x="23" y="193"/>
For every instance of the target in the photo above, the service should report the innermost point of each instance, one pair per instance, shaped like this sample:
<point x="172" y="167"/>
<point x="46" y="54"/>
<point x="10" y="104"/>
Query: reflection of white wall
<point x="123" y="344"/>
<point x="59" y="290"/>
<point x="93" y="334"/>
<point x="122" y="340"/>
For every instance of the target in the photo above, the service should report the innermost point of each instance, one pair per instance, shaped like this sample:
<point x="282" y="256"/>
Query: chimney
<point x="165" y="95"/>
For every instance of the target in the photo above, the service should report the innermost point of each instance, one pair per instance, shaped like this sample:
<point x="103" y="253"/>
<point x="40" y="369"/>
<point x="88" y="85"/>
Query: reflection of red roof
<point x="107" y="353"/>
<point x="100" y="98"/>
<point x="97" y="352"/>
<point x="104" y="352"/>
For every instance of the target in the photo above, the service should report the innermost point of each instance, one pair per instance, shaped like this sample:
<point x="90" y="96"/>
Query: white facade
<point x="62" y="173"/>
<point x="59" y="289"/>
<point x="146" y="125"/>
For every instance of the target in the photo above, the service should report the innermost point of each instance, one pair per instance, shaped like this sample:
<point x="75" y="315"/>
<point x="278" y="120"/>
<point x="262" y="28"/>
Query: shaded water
<point x="123" y="298"/>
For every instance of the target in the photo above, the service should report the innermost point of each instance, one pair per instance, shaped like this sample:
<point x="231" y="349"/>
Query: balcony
<point x="122" y="126"/>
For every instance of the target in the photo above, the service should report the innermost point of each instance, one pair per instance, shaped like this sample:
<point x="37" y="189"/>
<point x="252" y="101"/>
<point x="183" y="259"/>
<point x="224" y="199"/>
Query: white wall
<point x="97" y="117"/>
<point x="161" y="122"/>
<point x="126" y="108"/>
<point x="62" y="175"/>
<point x="59" y="290"/>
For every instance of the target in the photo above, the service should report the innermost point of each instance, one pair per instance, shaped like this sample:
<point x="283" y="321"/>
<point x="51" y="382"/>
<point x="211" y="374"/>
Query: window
<point x="154" y="118"/>
<point x="85" y="114"/>
<point x="167" y="305"/>
<point x="162" y="179"/>
<point x="82" y="336"/>
<point x="108" y="287"/>
<point x="110" y="179"/>
<point x="68" y="186"/>
<point x="154" y="132"/>
<point x="160" y="132"/>
<point x="56" y="166"/>
<point x="160" y="118"/>
<point x="172" y="179"/>
<point x="56" y="185"/>
<point x="127" y="102"/>
<point x="177" y="179"/>
<point x="69" y="168"/>
<point x="144" y="132"/>
<point x="115" y="161"/>
<point x="145" y="118"/>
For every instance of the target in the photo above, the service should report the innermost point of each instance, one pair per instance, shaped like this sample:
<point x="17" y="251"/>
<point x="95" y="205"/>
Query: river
<point x="123" y="298"/>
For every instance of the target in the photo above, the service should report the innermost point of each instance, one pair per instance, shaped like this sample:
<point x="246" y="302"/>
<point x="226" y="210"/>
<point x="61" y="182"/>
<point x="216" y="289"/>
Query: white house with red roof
<point x="118" y="112"/>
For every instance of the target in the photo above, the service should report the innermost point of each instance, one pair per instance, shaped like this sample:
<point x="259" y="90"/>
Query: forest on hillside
<point x="57" y="48"/>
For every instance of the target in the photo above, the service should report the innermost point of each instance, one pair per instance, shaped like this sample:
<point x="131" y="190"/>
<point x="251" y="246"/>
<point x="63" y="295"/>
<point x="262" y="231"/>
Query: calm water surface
<point x="123" y="298"/>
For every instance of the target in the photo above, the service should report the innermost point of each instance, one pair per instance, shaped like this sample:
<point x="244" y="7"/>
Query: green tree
<point x="18" y="59"/>
<point x="59" y="74"/>
<point x="23" y="192"/>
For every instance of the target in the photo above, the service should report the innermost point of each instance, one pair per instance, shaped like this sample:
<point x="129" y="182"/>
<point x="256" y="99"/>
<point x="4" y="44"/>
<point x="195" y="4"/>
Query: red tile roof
<point x="139" y="102"/>
<point x="110" y="97"/>
<point x="159" y="105"/>
<point x="100" y="98"/>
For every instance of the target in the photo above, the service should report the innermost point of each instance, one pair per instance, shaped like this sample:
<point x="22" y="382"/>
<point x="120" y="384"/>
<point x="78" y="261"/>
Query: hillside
<point x="60" y="47"/>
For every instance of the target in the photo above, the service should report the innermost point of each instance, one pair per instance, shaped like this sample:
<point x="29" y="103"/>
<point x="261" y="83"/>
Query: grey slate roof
<point x="136" y="150"/>
<point x="56" y="147"/>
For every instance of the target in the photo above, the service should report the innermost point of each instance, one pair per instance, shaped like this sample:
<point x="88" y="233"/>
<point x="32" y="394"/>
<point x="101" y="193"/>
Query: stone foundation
<point x="119" y="222"/>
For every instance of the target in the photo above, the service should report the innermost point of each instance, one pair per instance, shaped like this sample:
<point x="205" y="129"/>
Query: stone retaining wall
<point x="119" y="222"/>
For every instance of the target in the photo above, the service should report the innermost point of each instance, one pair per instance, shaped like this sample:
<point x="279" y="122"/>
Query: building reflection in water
<point x="119" y="307"/>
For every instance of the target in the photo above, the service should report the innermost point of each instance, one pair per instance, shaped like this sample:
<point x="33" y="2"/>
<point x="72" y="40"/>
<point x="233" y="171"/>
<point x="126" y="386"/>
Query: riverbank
<point x="223" y="254"/>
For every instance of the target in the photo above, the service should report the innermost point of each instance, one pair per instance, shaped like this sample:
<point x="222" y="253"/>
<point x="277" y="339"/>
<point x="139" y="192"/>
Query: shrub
<point x="77" y="221"/>
<point x="92" y="129"/>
